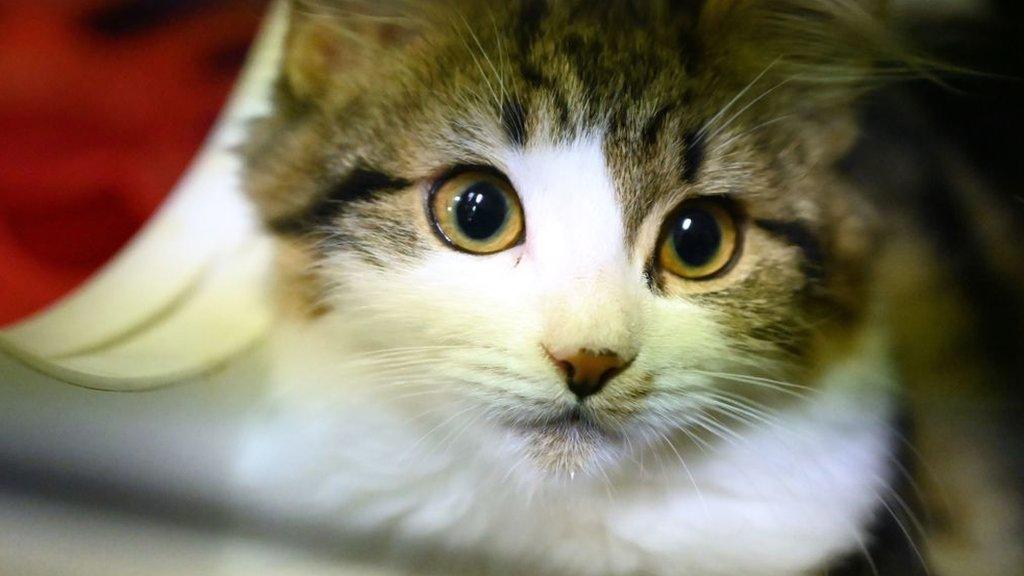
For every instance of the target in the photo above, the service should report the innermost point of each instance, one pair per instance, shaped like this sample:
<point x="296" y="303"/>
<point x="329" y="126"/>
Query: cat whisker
<point x="740" y="414"/>
<point x="608" y="484"/>
<point x="426" y="436"/>
<point x="402" y="359"/>
<point x="863" y="548"/>
<point x="503" y="60"/>
<point x="710" y="124"/>
<point x="689" y="474"/>
<point x="419" y="394"/>
<point x="657" y="453"/>
<point x="729" y="141"/>
<point x="476" y="60"/>
<point x="747" y="106"/>
<point x="788" y="388"/>
<point x="449" y="439"/>
<point x="707" y="421"/>
<point x="911" y="541"/>
<point x="915" y="486"/>
<point x="908" y="511"/>
<point x="700" y="443"/>
<point x="384" y="365"/>
<point x="631" y="451"/>
<point x="755" y="412"/>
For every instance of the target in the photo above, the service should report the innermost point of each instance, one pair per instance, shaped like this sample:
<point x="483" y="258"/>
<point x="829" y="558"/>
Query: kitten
<point x="577" y="288"/>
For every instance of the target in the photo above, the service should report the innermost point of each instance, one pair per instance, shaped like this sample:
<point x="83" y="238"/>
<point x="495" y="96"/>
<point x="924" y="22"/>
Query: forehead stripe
<point x="359" y="184"/>
<point x="652" y="128"/>
<point x="693" y="156"/>
<point x="513" y="121"/>
<point x="530" y="20"/>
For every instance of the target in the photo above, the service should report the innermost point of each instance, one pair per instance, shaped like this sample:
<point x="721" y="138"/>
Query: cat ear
<point x="330" y="39"/>
<point x="814" y="57"/>
<point x="878" y="8"/>
<point x="836" y="42"/>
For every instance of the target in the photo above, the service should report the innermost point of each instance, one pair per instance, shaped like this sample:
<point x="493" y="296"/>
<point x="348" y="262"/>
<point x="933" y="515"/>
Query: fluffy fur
<point x="416" y="415"/>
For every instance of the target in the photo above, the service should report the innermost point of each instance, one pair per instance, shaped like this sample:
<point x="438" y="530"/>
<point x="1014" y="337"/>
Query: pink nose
<point x="586" y="372"/>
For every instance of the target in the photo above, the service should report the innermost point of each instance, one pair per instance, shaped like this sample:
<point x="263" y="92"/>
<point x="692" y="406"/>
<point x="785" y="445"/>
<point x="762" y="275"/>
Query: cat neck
<point x="333" y="451"/>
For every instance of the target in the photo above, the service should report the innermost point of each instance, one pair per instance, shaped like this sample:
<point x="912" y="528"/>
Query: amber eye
<point x="701" y="240"/>
<point x="477" y="212"/>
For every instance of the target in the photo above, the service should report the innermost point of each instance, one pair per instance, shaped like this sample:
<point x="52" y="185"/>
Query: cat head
<point x="591" y="223"/>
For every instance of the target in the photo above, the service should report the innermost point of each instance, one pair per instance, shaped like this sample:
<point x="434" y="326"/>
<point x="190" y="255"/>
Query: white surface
<point x="172" y="447"/>
<point x="41" y="538"/>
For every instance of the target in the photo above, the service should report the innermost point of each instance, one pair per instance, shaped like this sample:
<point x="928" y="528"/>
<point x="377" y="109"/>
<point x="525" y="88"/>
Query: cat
<point x="579" y="288"/>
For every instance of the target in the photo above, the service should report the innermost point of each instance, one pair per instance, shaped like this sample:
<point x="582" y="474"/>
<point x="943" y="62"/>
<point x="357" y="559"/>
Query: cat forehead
<point x="590" y="179"/>
<point x="553" y="71"/>
<point x="522" y="76"/>
<point x="561" y="70"/>
<point x="574" y="213"/>
<point x="547" y="78"/>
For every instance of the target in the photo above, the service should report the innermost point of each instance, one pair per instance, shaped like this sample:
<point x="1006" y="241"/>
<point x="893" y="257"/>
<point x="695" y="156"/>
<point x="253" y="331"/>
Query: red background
<point x="102" y="105"/>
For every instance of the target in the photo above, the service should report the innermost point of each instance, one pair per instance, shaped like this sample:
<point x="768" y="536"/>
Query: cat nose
<point x="586" y="372"/>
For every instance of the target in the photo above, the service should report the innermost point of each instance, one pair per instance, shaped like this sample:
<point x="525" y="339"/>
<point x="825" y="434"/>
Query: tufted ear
<point x="837" y="43"/>
<point x="814" y="56"/>
<point x="329" y="39"/>
<point x="807" y="8"/>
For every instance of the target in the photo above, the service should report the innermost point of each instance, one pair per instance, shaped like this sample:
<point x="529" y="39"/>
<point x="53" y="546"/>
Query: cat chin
<point x="567" y="445"/>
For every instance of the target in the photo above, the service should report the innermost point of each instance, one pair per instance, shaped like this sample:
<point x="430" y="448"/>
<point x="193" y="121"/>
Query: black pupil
<point x="481" y="210"/>
<point x="696" y="237"/>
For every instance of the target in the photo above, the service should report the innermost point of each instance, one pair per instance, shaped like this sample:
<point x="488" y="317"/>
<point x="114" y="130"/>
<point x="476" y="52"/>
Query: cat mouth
<point x="566" y="443"/>
<point x="574" y="418"/>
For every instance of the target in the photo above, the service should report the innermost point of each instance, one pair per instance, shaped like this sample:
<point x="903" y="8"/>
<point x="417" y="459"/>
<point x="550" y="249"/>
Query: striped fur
<point x="604" y="117"/>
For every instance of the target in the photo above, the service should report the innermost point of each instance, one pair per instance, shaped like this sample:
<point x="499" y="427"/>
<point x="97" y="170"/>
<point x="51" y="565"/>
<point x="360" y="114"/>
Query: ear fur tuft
<point x="845" y="45"/>
<point x="329" y="39"/>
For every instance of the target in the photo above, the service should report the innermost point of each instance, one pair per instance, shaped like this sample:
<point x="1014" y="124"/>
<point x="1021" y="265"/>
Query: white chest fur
<point x="775" y="500"/>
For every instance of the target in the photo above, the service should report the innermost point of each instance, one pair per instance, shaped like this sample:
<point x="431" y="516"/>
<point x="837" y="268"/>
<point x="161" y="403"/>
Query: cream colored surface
<point x="55" y="540"/>
<point x="78" y="467"/>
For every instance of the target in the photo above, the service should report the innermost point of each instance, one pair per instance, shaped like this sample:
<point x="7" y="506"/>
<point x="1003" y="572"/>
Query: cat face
<point x="581" y="225"/>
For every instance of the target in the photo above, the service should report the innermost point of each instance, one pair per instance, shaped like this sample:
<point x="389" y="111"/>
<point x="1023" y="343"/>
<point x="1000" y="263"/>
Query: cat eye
<point x="700" y="240"/>
<point x="477" y="211"/>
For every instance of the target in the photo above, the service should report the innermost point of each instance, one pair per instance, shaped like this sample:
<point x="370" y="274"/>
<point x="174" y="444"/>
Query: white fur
<point x="396" y="421"/>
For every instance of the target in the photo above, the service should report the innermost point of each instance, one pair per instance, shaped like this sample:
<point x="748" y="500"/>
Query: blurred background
<point x="103" y="104"/>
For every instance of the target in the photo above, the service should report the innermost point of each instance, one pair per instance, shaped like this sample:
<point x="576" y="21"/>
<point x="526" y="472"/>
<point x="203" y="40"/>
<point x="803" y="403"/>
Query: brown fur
<point x="746" y="99"/>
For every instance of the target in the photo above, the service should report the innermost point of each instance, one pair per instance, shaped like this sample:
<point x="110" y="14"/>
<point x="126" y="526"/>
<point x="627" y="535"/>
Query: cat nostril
<point x="586" y="372"/>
